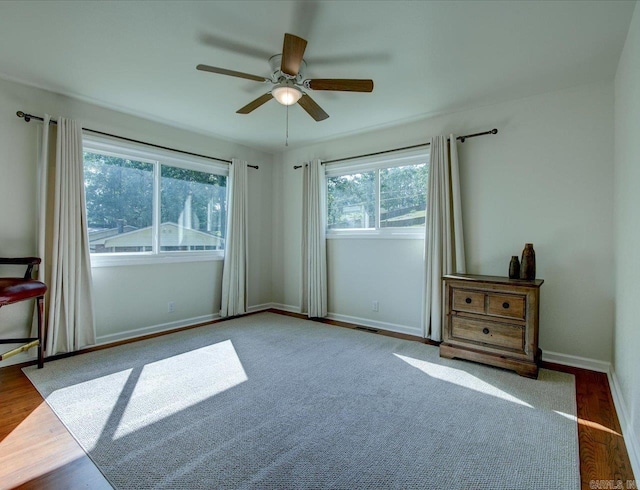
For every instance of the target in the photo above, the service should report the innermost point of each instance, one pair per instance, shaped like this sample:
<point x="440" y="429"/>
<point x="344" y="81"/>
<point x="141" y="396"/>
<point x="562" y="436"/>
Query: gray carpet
<point x="270" y="401"/>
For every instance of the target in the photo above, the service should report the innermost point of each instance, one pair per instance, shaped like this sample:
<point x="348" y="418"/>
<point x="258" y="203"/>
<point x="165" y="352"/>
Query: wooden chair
<point x="16" y="289"/>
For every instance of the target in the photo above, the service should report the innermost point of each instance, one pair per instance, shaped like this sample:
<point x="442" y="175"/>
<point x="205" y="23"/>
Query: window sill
<point x="118" y="260"/>
<point x="385" y="234"/>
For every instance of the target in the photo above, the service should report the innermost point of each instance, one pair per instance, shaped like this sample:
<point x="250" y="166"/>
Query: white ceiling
<point x="425" y="57"/>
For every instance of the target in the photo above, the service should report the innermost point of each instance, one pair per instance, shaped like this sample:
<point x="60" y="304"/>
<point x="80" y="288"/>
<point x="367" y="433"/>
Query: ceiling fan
<point x="287" y="76"/>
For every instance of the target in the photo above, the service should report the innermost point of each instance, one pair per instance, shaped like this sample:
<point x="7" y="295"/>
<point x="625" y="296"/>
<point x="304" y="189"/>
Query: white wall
<point x="545" y="178"/>
<point x="131" y="298"/>
<point x="626" y="358"/>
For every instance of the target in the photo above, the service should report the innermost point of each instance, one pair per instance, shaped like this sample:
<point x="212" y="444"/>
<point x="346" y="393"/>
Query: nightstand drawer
<point x="494" y="334"/>
<point x="470" y="301"/>
<point x="506" y="305"/>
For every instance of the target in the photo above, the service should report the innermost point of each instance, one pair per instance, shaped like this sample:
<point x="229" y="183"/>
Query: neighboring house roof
<point x="172" y="235"/>
<point x="96" y="234"/>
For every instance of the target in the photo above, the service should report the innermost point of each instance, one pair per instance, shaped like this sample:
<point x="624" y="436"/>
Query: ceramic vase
<point x="514" y="268"/>
<point x="528" y="262"/>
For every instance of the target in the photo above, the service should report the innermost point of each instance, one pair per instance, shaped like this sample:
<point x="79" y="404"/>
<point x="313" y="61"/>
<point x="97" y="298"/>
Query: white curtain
<point x="43" y="163"/>
<point x="314" y="251"/>
<point x="444" y="241"/>
<point x="41" y="211"/>
<point x="71" y="321"/>
<point x="234" y="273"/>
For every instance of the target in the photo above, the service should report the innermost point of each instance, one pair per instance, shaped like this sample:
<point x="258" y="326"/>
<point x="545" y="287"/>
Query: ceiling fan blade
<point x="254" y="104"/>
<point x="227" y="44"/>
<point x="340" y="84"/>
<point x="313" y="109"/>
<point x="231" y="73"/>
<point x="292" y="53"/>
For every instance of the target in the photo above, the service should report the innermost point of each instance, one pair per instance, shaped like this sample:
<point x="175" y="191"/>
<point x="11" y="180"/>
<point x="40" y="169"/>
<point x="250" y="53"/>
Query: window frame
<point x="157" y="157"/>
<point x="367" y="164"/>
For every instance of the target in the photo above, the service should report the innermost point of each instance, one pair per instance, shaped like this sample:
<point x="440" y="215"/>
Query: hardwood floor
<point x="36" y="450"/>
<point x="603" y="453"/>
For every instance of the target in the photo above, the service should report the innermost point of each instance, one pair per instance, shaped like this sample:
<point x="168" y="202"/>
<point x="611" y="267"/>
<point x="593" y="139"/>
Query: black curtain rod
<point x="28" y="117"/>
<point x="461" y="138"/>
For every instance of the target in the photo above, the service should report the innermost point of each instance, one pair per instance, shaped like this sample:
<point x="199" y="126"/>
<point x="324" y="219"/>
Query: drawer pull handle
<point x="505" y="305"/>
<point x="485" y="330"/>
<point x="468" y="300"/>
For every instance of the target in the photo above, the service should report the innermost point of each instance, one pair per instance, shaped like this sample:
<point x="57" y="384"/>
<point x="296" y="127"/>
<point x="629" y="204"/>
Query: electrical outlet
<point x="171" y="307"/>
<point x="375" y="305"/>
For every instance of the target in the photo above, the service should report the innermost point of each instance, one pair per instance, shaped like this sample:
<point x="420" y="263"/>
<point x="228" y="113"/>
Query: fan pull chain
<point x="286" y="140"/>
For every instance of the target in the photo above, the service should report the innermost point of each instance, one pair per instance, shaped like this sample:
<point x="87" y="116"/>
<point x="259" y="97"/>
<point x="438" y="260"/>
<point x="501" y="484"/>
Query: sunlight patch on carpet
<point x="193" y="377"/>
<point x="137" y="398"/>
<point x="460" y="378"/>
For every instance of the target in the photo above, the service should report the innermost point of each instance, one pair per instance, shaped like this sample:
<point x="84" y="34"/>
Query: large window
<point x="150" y="204"/>
<point x="384" y="195"/>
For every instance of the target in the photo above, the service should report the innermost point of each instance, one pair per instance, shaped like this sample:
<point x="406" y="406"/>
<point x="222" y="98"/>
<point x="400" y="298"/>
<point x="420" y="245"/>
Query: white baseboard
<point x="139" y="332"/>
<point x="366" y="322"/>
<point x="275" y="306"/>
<point x="283" y="307"/>
<point x="630" y="439"/>
<point x="31" y="355"/>
<point x="577" y="361"/>
<point x="262" y="307"/>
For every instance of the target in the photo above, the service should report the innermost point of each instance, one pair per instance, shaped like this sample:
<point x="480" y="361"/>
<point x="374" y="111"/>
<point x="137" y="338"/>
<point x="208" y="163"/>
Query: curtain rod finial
<point x="21" y="114"/>
<point x="26" y="117"/>
<point x="494" y="131"/>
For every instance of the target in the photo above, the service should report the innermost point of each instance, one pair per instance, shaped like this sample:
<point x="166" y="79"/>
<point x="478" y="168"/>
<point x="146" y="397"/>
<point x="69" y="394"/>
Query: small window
<point x="142" y="203"/>
<point x="372" y="197"/>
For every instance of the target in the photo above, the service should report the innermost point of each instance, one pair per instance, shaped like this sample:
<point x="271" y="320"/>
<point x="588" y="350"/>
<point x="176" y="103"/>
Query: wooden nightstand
<point x="493" y="320"/>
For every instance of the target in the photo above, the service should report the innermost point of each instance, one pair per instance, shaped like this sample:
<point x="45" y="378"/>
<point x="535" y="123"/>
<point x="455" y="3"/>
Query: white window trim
<point x="157" y="157"/>
<point x="147" y="258"/>
<point x="368" y="164"/>
<point x="382" y="233"/>
<point x="149" y="154"/>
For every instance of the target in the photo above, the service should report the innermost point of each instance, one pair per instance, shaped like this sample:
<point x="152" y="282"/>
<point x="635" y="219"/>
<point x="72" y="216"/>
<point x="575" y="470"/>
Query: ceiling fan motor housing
<point x="277" y="75"/>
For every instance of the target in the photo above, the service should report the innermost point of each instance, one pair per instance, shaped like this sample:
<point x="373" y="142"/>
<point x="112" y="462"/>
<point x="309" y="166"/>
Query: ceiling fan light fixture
<point x="286" y="94"/>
